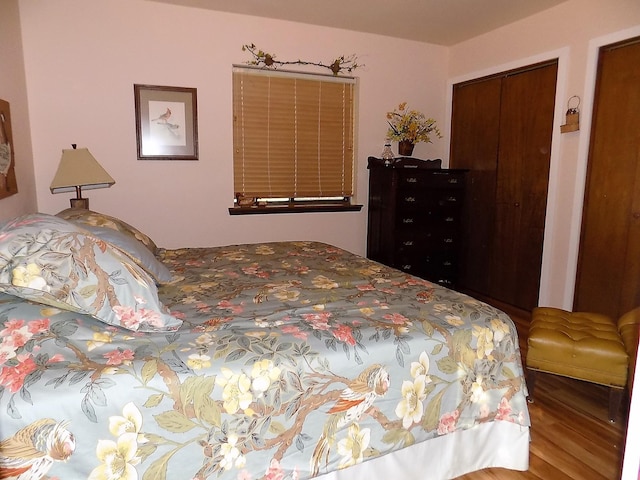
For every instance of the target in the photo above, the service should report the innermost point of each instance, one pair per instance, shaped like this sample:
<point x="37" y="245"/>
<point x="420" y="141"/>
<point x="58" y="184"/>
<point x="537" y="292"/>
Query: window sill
<point x="268" y="209"/>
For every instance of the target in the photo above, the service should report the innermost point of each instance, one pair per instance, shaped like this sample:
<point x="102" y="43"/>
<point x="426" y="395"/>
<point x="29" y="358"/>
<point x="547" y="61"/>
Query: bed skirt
<point x="456" y="454"/>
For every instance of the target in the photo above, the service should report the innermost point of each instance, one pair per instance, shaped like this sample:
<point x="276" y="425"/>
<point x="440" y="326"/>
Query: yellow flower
<point x="421" y="367"/>
<point x="287" y="295"/>
<point x="323" y="282"/>
<point x="29" y="276"/>
<point x="485" y="342"/>
<point x="367" y="311"/>
<point x="236" y="393"/>
<point x="410" y="408"/>
<point x="99" y="339"/>
<point x="478" y="394"/>
<point x="263" y="373"/>
<point x="118" y="459"/>
<point x="454" y="320"/>
<point x="264" y="250"/>
<point x="353" y="447"/>
<point x="500" y="329"/>
<point x="198" y="361"/>
<point x="129" y="422"/>
<point x="410" y="125"/>
<point x="231" y="454"/>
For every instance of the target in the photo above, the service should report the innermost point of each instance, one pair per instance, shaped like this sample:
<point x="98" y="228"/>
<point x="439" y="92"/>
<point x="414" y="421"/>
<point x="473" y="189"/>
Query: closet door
<point x="608" y="279"/>
<point x="474" y="146"/>
<point x="501" y="131"/>
<point x="526" y="127"/>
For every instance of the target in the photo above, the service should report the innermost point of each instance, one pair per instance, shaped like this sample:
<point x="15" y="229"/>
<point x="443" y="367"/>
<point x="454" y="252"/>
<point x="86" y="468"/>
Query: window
<point x="293" y="139"/>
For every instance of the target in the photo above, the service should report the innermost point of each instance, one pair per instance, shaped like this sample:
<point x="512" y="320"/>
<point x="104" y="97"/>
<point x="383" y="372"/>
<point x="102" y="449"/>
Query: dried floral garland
<point x="340" y="65"/>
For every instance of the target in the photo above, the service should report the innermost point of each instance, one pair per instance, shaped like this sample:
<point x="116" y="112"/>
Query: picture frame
<point x="166" y="122"/>
<point x="8" y="182"/>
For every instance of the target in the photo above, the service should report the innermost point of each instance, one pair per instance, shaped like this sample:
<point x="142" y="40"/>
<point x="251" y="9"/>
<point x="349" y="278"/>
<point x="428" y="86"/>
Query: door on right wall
<point x="608" y="274"/>
<point x="501" y="131"/>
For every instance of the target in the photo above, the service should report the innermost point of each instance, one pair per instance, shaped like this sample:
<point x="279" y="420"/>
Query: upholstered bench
<point x="629" y="328"/>
<point x="580" y="345"/>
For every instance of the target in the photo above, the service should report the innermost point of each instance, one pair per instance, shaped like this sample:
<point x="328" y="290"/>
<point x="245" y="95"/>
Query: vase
<point x="405" y="148"/>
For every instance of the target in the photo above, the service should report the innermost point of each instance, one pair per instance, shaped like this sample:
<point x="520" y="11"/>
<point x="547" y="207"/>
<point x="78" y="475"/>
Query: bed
<point x="286" y="360"/>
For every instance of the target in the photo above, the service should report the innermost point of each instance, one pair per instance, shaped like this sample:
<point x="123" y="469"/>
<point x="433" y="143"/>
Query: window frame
<point x="341" y="195"/>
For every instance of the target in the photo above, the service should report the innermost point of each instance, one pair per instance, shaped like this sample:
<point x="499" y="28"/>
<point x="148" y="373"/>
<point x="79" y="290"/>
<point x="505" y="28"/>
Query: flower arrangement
<point x="410" y="125"/>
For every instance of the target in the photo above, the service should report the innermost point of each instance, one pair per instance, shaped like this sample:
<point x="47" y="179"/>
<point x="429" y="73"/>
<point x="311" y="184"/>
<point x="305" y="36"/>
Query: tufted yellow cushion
<point x="629" y="328"/>
<point x="585" y="346"/>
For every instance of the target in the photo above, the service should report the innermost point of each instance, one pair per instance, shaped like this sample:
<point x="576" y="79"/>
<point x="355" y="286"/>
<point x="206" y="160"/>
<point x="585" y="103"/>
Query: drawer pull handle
<point x="453" y="180"/>
<point x="448" y="240"/>
<point x="412" y="180"/>
<point x="450" y="219"/>
<point x="406" y="267"/>
<point x="408" y="243"/>
<point x="409" y="199"/>
<point x="407" y="220"/>
<point x="452" y="199"/>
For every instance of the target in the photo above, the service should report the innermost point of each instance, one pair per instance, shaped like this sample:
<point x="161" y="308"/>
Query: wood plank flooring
<point x="571" y="436"/>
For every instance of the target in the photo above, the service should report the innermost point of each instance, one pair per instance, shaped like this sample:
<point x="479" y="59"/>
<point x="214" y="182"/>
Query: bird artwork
<point x="164" y="118"/>
<point x="354" y="400"/>
<point x="30" y="453"/>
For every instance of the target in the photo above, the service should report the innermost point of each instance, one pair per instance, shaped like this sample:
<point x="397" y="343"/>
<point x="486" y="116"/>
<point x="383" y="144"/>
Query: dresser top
<point x="406" y="162"/>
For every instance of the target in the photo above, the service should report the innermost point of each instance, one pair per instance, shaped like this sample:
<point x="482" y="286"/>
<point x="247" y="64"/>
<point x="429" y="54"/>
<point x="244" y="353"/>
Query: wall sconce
<point x="78" y="169"/>
<point x="573" y="116"/>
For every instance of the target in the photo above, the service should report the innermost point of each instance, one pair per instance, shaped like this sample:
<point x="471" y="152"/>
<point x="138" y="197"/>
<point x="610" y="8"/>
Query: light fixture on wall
<point x="78" y="169"/>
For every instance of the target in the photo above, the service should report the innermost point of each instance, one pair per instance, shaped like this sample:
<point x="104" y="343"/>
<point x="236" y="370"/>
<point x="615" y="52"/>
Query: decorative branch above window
<point x="263" y="59"/>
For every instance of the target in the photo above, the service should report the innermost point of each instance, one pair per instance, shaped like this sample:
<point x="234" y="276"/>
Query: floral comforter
<point x="294" y="359"/>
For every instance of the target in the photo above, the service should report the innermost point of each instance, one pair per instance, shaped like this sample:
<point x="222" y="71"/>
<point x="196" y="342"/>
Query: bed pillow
<point x="135" y="249"/>
<point x="85" y="217"/>
<point x="46" y="259"/>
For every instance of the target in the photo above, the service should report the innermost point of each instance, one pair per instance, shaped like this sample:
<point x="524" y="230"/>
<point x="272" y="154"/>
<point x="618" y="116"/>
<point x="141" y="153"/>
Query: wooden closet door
<point x="526" y="127"/>
<point x="501" y="131"/>
<point x="475" y="133"/>
<point x="608" y="278"/>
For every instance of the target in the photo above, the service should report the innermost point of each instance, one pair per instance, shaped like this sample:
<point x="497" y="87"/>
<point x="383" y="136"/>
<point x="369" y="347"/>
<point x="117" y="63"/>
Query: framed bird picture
<point x="166" y="122"/>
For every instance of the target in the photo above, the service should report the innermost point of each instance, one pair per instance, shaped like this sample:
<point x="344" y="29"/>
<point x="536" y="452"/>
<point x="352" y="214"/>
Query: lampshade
<point x="78" y="169"/>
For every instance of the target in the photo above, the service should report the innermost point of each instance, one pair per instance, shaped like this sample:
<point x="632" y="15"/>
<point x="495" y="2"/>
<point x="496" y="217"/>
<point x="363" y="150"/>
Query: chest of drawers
<point x="414" y="215"/>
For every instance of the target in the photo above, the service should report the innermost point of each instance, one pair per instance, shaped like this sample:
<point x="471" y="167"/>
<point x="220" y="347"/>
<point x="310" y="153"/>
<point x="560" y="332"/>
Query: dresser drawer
<point x="419" y="199"/>
<point x="437" y="267"/>
<point x="435" y="219"/>
<point x="413" y="179"/>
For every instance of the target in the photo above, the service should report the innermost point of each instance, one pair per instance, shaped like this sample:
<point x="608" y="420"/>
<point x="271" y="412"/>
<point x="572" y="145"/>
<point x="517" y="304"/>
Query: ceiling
<point x="442" y="22"/>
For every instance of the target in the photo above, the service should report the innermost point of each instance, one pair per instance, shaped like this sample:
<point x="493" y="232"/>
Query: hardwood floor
<point x="571" y="436"/>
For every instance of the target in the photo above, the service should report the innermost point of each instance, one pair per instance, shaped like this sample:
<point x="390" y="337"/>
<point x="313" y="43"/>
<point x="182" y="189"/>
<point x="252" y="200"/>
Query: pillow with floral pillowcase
<point x="135" y="250"/>
<point x="84" y="217"/>
<point x="48" y="260"/>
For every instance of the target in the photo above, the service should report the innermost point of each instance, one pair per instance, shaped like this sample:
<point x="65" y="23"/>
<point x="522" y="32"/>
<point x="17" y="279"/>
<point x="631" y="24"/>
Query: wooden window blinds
<point x="293" y="134"/>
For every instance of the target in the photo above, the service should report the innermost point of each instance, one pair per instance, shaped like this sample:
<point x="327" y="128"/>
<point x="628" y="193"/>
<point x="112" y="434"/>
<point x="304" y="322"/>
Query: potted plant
<point x="409" y="127"/>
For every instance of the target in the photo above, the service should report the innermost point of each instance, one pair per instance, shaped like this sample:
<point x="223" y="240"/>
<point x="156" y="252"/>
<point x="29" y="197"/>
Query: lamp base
<point x="80" y="203"/>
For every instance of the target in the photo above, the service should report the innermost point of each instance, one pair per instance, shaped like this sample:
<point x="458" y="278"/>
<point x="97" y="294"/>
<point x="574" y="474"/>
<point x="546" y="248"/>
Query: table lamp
<point x="78" y="169"/>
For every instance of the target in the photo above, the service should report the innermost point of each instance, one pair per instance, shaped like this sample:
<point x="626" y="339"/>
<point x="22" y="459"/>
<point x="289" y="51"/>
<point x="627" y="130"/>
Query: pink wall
<point x="82" y="59"/>
<point x="572" y="32"/>
<point x="13" y="89"/>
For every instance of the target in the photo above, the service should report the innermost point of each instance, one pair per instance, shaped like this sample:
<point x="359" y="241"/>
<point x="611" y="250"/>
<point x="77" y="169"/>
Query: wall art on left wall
<point x="8" y="183"/>
<point x="166" y="122"/>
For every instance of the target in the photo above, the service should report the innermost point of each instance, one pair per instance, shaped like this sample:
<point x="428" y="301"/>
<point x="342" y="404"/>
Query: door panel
<point x="501" y="131"/>
<point x="608" y="279"/>
<point x="528" y="100"/>
<point x="475" y="134"/>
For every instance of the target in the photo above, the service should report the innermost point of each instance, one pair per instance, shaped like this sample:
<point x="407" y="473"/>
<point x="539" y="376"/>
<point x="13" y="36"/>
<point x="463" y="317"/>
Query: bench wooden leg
<point x="615" y="399"/>
<point x="531" y="383"/>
